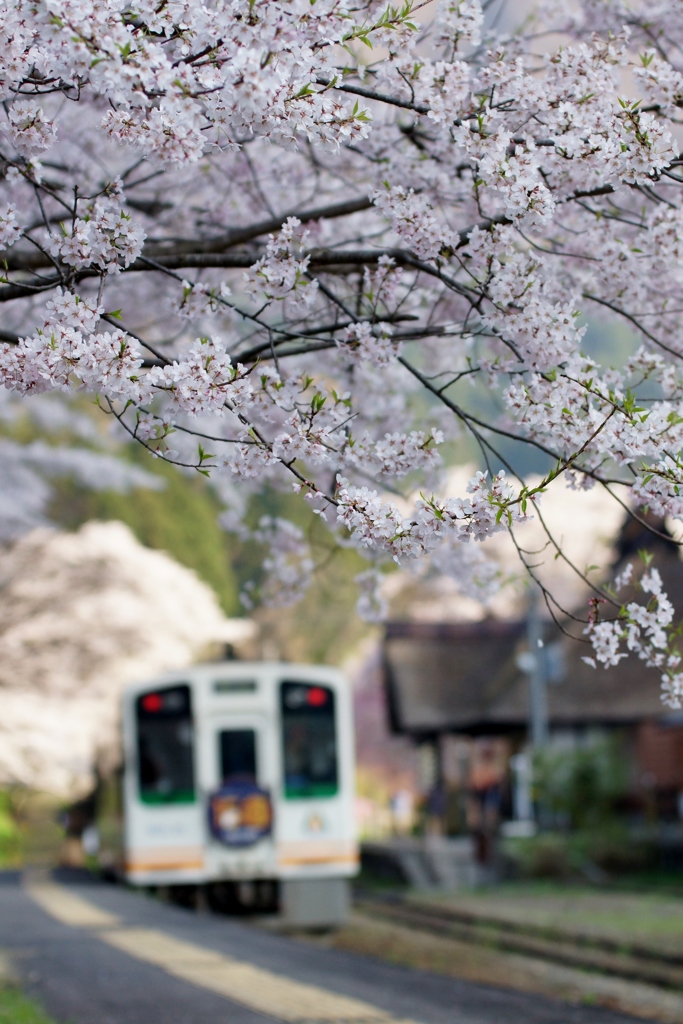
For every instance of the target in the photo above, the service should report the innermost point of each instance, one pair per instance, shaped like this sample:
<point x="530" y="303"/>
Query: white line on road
<point x="264" y="991"/>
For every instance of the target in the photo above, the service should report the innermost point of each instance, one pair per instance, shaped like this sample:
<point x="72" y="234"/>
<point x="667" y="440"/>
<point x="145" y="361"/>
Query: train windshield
<point x="237" y="753"/>
<point x="165" y="746"/>
<point x="309" y="739"/>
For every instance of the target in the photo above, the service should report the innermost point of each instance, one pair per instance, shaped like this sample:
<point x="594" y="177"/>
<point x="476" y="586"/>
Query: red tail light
<point x="316" y="696"/>
<point x="152" y="702"/>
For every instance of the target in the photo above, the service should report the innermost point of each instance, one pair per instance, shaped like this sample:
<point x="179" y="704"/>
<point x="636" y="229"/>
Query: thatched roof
<point x="463" y="677"/>
<point x="444" y="677"/>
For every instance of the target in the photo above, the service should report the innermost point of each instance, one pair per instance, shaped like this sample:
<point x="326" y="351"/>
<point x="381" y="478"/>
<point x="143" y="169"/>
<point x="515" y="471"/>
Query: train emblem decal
<point x="240" y="814"/>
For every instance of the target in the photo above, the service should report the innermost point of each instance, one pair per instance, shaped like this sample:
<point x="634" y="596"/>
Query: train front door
<point x="239" y="770"/>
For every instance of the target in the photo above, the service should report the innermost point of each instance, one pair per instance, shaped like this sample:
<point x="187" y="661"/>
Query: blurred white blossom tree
<point x="82" y="615"/>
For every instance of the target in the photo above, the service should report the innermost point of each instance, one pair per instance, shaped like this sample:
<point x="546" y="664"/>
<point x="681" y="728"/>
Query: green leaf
<point x="645" y="556"/>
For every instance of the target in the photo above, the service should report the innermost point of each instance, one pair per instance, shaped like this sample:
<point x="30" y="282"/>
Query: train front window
<point x="165" y="734"/>
<point x="309" y="740"/>
<point x="237" y="754"/>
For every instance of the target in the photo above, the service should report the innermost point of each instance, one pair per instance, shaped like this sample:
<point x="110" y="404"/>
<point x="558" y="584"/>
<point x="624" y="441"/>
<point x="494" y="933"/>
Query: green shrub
<point x="543" y="856"/>
<point x="575" y="855"/>
<point x="581" y="788"/>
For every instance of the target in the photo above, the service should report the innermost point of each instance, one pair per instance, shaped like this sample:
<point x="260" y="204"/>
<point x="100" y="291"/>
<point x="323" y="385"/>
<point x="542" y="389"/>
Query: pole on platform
<point x="538" y="696"/>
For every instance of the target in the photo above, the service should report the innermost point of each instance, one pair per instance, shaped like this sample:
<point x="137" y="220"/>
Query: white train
<point x="239" y="779"/>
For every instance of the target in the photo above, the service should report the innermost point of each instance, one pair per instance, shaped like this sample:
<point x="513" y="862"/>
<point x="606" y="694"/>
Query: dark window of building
<point x="309" y="740"/>
<point x="165" y="735"/>
<point x="237" y="754"/>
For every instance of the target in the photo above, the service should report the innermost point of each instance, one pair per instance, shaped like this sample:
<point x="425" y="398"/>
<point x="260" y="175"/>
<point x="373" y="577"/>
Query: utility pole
<point x="538" y="696"/>
<point x="542" y="665"/>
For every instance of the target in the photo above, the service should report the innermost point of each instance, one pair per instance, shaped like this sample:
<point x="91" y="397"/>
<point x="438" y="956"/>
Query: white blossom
<point x="10" y="229"/>
<point x="28" y="128"/>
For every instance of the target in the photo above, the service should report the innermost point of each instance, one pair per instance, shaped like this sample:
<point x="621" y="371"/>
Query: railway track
<point x="558" y="945"/>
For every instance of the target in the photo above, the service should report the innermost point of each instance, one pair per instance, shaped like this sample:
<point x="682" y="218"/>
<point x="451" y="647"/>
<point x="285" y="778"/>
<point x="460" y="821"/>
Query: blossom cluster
<point x="287" y="564"/>
<point x="309" y="242"/>
<point x="645" y="629"/>
<point x="373" y="343"/>
<point x="279" y="274"/>
<point x="395" y="455"/>
<point x="104" y="236"/>
<point x="375" y="523"/>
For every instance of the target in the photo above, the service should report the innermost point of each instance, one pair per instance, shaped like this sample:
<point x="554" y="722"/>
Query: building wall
<point x="659" y="752"/>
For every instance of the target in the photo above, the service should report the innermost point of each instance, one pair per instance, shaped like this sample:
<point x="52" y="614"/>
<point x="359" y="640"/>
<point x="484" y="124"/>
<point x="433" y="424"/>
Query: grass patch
<point x="10" y="835"/>
<point x="15" y="1008"/>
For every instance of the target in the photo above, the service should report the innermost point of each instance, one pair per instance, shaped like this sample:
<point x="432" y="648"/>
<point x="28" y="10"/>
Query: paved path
<point x="96" y="954"/>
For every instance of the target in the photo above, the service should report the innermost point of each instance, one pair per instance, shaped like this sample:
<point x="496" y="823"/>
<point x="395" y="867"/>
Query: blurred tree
<point x="181" y="518"/>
